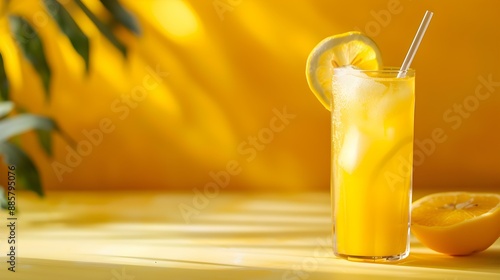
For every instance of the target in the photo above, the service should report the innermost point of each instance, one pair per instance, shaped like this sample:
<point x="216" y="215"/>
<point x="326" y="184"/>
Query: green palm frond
<point x="103" y="28"/>
<point x="11" y="153"/>
<point x="70" y="28"/>
<point x="4" y="82"/>
<point x="31" y="45"/>
<point x="122" y="16"/>
<point x="32" y="48"/>
<point x="27" y="174"/>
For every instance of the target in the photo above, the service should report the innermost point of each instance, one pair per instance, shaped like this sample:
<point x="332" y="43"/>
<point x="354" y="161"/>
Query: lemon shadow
<point x="487" y="260"/>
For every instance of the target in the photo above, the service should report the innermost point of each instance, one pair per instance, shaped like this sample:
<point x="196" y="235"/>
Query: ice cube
<point x="353" y="148"/>
<point x="395" y="103"/>
<point x="391" y="101"/>
<point x="355" y="87"/>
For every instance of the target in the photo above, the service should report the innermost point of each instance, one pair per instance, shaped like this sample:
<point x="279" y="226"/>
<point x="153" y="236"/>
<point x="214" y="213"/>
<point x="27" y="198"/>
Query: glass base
<point x="374" y="259"/>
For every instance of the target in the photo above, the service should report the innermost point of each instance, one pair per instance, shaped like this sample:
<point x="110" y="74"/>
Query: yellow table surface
<point x="135" y="236"/>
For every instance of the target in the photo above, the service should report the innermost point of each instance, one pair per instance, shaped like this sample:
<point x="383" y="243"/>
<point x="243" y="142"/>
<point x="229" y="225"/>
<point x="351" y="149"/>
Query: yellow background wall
<point x="226" y="68"/>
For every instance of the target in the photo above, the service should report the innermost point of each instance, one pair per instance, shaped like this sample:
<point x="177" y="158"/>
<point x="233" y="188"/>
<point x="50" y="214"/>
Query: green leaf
<point x="22" y="123"/>
<point x="5" y="108"/>
<point x="45" y="140"/>
<point x="68" y="26"/>
<point x="32" y="48"/>
<point x="27" y="174"/>
<point x="3" y="199"/>
<point x="121" y="15"/>
<point x="103" y="28"/>
<point x="4" y="81"/>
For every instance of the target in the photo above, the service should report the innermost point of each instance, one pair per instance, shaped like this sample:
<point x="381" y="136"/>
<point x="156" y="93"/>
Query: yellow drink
<point x="372" y="152"/>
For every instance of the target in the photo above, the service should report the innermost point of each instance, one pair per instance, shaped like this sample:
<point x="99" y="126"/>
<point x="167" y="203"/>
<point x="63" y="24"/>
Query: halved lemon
<point x="347" y="49"/>
<point x="457" y="223"/>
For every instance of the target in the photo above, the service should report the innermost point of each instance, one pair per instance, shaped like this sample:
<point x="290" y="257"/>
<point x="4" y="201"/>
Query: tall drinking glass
<point x="372" y="155"/>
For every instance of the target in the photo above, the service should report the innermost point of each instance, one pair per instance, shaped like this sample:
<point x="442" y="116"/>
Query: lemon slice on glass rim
<point x="347" y="49"/>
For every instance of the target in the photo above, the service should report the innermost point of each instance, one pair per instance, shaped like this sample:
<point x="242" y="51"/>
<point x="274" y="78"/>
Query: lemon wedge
<point x="348" y="49"/>
<point x="457" y="223"/>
